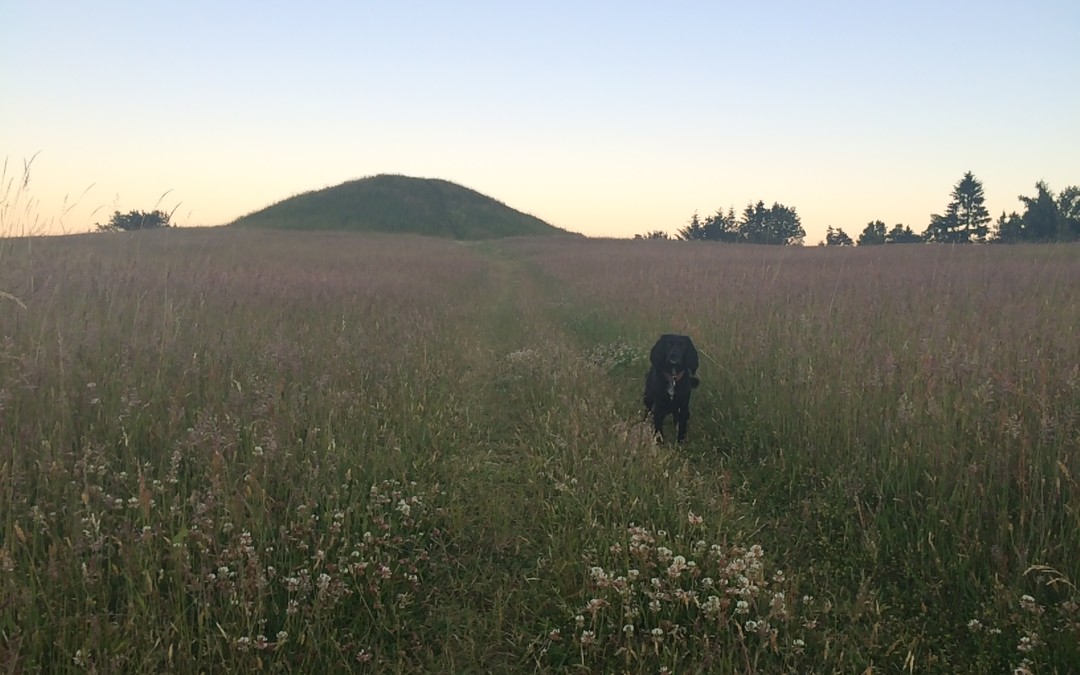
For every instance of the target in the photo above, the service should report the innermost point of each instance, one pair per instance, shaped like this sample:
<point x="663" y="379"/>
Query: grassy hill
<point x="400" y="204"/>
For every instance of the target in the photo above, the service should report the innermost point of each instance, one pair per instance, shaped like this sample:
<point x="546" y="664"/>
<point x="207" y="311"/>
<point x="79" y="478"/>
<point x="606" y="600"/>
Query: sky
<point x="604" y="118"/>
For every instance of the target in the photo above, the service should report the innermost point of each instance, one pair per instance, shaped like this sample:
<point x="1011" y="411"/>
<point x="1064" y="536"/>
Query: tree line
<point x="1045" y="217"/>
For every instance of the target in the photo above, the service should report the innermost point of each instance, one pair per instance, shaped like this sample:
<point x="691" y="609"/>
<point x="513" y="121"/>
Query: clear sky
<point x="606" y="118"/>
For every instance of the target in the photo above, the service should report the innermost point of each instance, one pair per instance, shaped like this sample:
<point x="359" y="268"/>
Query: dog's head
<point x="674" y="352"/>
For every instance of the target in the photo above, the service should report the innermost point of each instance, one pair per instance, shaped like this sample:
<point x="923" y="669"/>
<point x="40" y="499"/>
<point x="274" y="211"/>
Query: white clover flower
<point x="677" y="566"/>
<point x="587" y="637"/>
<point x="282" y="636"/>
<point x="974" y="625"/>
<point x="628" y="629"/>
<point x="579" y="621"/>
<point x="712" y="605"/>
<point x="657" y="632"/>
<point x="751" y="626"/>
<point x="742" y="607"/>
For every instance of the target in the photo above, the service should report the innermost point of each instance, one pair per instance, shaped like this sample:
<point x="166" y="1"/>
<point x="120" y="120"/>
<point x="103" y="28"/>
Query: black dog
<point x="669" y="382"/>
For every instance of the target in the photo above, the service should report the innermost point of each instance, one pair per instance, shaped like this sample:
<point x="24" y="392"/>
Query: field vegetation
<point x="227" y="450"/>
<point x="399" y="205"/>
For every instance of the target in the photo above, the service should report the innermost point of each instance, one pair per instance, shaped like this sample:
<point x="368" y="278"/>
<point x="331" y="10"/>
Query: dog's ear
<point x="656" y="356"/>
<point x="690" y="357"/>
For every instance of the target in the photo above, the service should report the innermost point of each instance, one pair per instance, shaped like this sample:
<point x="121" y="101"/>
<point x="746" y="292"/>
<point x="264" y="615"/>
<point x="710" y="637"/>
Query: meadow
<point x="228" y="450"/>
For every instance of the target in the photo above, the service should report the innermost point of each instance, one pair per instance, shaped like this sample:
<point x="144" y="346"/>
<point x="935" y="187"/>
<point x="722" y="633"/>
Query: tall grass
<point x="906" y="417"/>
<point x="230" y="450"/>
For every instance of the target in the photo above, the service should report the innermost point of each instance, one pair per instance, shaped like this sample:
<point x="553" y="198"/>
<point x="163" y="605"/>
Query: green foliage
<point x="1008" y="229"/>
<point x="873" y="234"/>
<point x="136" y="220"/>
<point x="902" y="234"/>
<point x="655" y="234"/>
<point x="1040" y="217"/>
<point x="718" y="227"/>
<point x="1046" y="218"/>
<point x="965" y="219"/>
<point x="401" y="205"/>
<point x="777" y="225"/>
<point x="837" y="237"/>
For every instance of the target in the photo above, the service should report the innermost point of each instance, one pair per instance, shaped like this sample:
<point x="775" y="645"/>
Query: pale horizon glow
<point x="608" y="119"/>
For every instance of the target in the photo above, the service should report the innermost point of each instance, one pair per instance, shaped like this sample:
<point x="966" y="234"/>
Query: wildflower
<point x="79" y="659"/>
<point x="1029" y="642"/>
<point x="777" y="603"/>
<point x="595" y="605"/>
<point x="974" y="625"/>
<point x="587" y="638"/>
<point x="243" y="644"/>
<point x="742" y="607"/>
<point x="282" y="636"/>
<point x="579" y="621"/>
<point x="677" y="566"/>
<point x="628" y="629"/>
<point x="657" y="633"/>
<point x="694" y="519"/>
<point x="751" y="626"/>
<point x="363" y="656"/>
<point x="555" y="635"/>
<point x="799" y="644"/>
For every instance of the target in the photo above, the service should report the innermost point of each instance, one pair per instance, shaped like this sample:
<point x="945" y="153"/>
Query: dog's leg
<point x="658" y="421"/>
<point x="682" y="418"/>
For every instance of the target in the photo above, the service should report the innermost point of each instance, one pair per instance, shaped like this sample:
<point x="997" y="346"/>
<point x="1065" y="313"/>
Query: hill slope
<point x="400" y="204"/>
